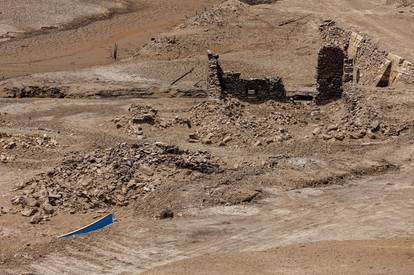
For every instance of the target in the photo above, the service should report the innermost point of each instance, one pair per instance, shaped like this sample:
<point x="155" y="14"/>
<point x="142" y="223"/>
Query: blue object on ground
<point x="101" y="223"/>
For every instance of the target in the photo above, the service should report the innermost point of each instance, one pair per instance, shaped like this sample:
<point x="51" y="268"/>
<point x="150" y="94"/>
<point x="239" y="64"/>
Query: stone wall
<point x="330" y="73"/>
<point x="373" y="66"/>
<point x="214" y="77"/>
<point x="260" y="89"/>
<point x="348" y="70"/>
<point x="221" y="84"/>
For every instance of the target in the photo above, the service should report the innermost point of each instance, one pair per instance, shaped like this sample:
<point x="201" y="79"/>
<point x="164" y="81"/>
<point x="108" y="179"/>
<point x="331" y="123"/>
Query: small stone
<point x="326" y="137"/>
<point x="3" y="158"/>
<point x="332" y="128"/>
<point x="371" y="135"/>
<point x="4" y="210"/>
<point x="36" y="219"/>
<point x="258" y="143"/>
<point x="375" y="126"/>
<point x="47" y="208"/>
<point x="167" y="213"/>
<point x="358" y="135"/>
<point x="340" y="136"/>
<point x="31" y="202"/>
<point x="146" y="170"/>
<point x="316" y="131"/>
<point x="193" y="136"/>
<point x="28" y="212"/>
<point x="10" y="146"/>
<point x="279" y="138"/>
<point x="190" y="140"/>
<point x="227" y="139"/>
<point x="17" y="200"/>
<point x="206" y="141"/>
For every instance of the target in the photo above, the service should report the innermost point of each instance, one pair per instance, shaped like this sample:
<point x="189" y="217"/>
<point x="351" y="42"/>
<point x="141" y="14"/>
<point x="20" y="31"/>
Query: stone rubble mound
<point x="222" y="122"/>
<point x="361" y="119"/>
<point x="10" y="142"/>
<point x="106" y="178"/>
<point x="139" y="115"/>
<point x="218" y="15"/>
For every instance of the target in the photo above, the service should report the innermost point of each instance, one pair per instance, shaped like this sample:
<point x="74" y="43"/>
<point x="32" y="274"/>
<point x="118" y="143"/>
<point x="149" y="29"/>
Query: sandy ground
<point x="19" y="17"/>
<point x="287" y="207"/>
<point x="356" y="257"/>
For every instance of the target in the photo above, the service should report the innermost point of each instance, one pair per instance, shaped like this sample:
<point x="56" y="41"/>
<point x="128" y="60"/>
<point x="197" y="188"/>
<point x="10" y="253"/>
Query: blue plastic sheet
<point x="101" y="223"/>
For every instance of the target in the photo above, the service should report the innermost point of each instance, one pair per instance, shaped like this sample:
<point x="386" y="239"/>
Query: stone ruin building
<point x="346" y="57"/>
<point x="220" y="84"/>
<point x="333" y="70"/>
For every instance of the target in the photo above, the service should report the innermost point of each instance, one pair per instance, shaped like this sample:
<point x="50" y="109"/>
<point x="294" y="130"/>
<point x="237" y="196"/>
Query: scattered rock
<point x="10" y="146"/>
<point x="28" y="212"/>
<point x="332" y="128"/>
<point x="37" y="218"/>
<point x="108" y="177"/>
<point x="258" y="143"/>
<point x="4" y="210"/>
<point x="47" y="208"/>
<point x="31" y="202"/>
<point x="326" y="137"/>
<point x="317" y="131"/>
<point x="340" y="136"/>
<point x="227" y="139"/>
<point x="166" y="214"/>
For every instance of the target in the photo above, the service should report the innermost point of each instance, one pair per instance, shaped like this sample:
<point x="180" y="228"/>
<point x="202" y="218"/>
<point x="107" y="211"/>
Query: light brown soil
<point x="92" y="44"/>
<point x="328" y="204"/>
<point x="346" y="257"/>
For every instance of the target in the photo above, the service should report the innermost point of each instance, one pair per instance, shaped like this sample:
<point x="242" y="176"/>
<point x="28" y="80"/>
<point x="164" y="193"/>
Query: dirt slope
<point x="92" y="44"/>
<point x="352" y="257"/>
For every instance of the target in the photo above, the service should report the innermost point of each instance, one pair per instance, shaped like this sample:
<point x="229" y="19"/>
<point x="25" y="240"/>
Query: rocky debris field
<point x="12" y="144"/>
<point x="358" y="119"/>
<point x="217" y="15"/>
<point x="231" y="122"/>
<point x="139" y="115"/>
<point x="106" y="178"/>
<point x="17" y="141"/>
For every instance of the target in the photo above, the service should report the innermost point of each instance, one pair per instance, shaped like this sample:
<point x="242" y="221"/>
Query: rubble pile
<point x="227" y="121"/>
<point x="217" y="15"/>
<point x="10" y="142"/>
<point x="138" y="115"/>
<point x="35" y="91"/>
<point x="106" y="177"/>
<point x="359" y="120"/>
